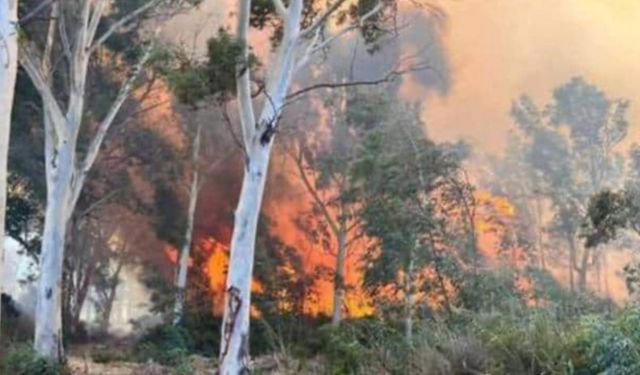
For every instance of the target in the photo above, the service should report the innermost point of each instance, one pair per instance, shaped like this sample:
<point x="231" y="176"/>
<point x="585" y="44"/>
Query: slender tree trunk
<point x="110" y="298"/>
<point x="339" y="283"/>
<point x="259" y="136"/>
<point x="181" y="281"/>
<point x="572" y="262"/>
<point x="543" y="262"/>
<point x="8" y="69"/>
<point x="234" y="353"/>
<point x="48" y="330"/>
<point x="584" y="269"/>
<point x="409" y="301"/>
<point x="607" y="291"/>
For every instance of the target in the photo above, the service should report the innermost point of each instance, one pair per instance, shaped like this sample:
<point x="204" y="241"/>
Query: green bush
<point x="343" y="351"/>
<point x="23" y="360"/>
<point x="164" y="344"/>
<point x="107" y="355"/>
<point x="608" y="346"/>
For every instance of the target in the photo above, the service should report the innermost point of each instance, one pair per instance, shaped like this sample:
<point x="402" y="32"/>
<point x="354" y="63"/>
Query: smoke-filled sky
<point x="489" y="52"/>
<point x="499" y="49"/>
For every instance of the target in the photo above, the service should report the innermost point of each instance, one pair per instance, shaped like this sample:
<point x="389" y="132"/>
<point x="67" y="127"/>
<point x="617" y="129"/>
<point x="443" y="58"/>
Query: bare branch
<point x="315" y="47"/>
<point x="64" y="37"/>
<point x="94" y="21"/>
<point x="34" y="12"/>
<point x="281" y="9"/>
<point x="243" y="81"/>
<point x="322" y="19"/>
<point x="103" y="127"/>
<point x="299" y="160"/>
<point x="122" y="22"/>
<point x="332" y="85"/>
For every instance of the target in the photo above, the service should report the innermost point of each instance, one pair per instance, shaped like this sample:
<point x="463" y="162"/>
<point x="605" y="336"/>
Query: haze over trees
<point x="268" y="196"/>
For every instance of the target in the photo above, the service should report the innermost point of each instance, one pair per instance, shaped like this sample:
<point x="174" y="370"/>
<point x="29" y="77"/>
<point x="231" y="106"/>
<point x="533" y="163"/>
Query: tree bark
<point x="584" y="269"/>
<point x="234" y="343"/>
<point x="234" y="354"/>
<point x="8" y="69"/>
<point x="339" y="283"/>
<point x="110" y="298"/>
<point x="572" y="262"/>
<point x="48" y="330"/>
<point x="181" y="281"/>
<point x="409" y="301"/>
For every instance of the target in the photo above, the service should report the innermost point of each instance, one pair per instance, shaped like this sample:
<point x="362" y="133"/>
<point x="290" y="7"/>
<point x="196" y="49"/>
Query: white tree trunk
<point x="234" y="344"/>
<point x="339" y="283"/>
<point x="234" y="354"/>
<point x="8" y="68"/>
<point x="48" y="328"/>
<point x="183" y="265"/>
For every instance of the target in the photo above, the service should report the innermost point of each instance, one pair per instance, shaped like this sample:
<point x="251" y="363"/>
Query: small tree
<point x="409" y="206"/>
<point x="571" y="145"/>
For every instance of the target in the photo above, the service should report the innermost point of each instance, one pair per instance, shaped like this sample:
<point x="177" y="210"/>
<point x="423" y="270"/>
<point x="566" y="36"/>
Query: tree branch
<point x="243" y="82"/>
<point x="332" y="85"/>
<point x="94" y="147"/>
<point x="314" y="194"/>
<point x="281" y="9"/>
<point x="121" y="22"/>
<point x="322" y="19"/>
<point x="313" y="48"/>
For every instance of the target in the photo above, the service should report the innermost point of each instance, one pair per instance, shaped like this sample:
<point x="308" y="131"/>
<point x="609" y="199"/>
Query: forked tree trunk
<point x="339" y="283"/>
<point x="8" y="68"/>
<point x="183" y="265"/>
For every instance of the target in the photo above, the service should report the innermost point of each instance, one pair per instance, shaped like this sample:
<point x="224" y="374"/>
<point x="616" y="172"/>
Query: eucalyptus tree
<point x="409" y="207"/>
<point x="324" y="167"/>
<point x="303" y="30"/>
<point x="572" y="145"/>
<point x="8" y="69"/>
<point x="76" y="33"/>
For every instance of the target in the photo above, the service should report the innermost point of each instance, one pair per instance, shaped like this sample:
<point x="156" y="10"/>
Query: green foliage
<point x="608" y="346"/>
<point x="105" y="354"/>
<point x="23" y="360"/>
<point x="609" y="212"/>
<point x="164" y="344"/>
<point x="489" y="290"/>
<point x="193" y="80"/>
<point x="24" y="215"/>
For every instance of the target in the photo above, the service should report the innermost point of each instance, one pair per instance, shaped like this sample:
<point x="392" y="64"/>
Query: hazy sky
<point x="500" y="49"/>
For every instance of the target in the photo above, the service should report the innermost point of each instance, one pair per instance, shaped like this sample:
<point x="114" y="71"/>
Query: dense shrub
<point x="22" y="360"/>
<point x="165" y="344"/>
<point x="609" y="346"/>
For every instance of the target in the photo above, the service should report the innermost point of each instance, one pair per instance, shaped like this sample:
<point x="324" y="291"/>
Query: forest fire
<point x="317" y="261"/>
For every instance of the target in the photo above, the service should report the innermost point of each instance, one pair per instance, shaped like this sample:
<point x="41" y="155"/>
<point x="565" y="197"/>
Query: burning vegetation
<point x="275" y="196"/>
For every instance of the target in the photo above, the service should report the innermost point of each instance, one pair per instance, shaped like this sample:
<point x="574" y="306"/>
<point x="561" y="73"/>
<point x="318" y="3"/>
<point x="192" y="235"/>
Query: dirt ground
<point x="85" y="366"/>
